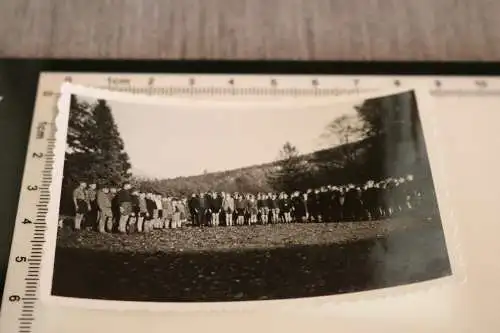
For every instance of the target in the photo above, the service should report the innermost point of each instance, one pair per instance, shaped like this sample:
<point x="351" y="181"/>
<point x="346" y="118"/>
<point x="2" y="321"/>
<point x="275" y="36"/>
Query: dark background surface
<point x="19" y="78"/>
<point x="18" y="88"/>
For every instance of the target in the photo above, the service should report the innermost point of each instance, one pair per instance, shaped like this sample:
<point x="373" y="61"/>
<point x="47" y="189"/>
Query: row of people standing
<point x="370" y="201"/>
<point x="207" y="209"/>
<point x="108" y="209"/>
<point x="123" y="210"/>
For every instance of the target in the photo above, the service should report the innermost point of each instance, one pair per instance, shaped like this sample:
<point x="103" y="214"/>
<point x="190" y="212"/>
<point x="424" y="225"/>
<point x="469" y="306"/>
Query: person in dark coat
<point x="124" y="202"/>
<point x="350" y="204"/>
<point x="336" y="207"/>
<point x="194" y="207"/>
<point x="135" y="202"/>
<point x="279" y="203"/>
<point x="268" y="199"/>
<point x="300" y="207"/>
<point x="412" y="193"/>
<point x="318" y="217"/>
<point x="265" y="208"/>
<point x="382" y="200"/>
<point x="331" y="196"/>
<point x="239" y="206"/>
<point x="248" y="206"/>
<point x="293" y="203"/>
<point x="215" y="205"/>
<point x="202" y="212"/>
<point x="253" y="209"/>
<point x="389" y="197"/>
<point x="222" y="215"/>
<point x="113" y="191"/>
<point x="272" y="202"/>
<point x="324" y="204"/>
<point x="370" y="201"/>
<point x="285" y="208"/>
<point x="343" y="210"/>
<point x="260" y="207"/>
<point x="359" y="210"/>
<point x="400" y="195"/>
<point x="219" y="207"/>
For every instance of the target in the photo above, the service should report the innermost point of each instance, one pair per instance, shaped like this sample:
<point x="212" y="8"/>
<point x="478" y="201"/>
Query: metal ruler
<point x="21" y="306"/>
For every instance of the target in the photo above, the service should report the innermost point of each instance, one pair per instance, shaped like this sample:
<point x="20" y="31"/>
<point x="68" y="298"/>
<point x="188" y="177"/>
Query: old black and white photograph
<point x="208" y="203"/>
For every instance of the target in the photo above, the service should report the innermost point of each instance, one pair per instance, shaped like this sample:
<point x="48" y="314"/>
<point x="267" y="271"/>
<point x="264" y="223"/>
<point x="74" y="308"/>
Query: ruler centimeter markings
<point x="21" y="290"/>
<point x="20" y="299"/>
<point x="43" y="156"/>
<point x="278" y="85"/>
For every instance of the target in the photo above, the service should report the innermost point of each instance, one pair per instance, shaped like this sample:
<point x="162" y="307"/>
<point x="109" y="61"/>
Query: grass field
<point x="249" y="263"/>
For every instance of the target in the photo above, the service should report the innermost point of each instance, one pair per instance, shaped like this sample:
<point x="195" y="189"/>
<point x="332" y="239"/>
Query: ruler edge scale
<point x="27" y="303"/>
<point x="31" y="253"/>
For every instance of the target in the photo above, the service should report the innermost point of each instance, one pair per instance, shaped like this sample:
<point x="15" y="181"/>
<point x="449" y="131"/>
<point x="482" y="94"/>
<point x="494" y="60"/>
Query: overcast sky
<point x="170" y="141"/>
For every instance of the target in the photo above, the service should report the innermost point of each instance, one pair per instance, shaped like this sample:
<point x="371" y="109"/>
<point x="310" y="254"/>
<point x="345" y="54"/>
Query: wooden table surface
<point x="252" y="29"/>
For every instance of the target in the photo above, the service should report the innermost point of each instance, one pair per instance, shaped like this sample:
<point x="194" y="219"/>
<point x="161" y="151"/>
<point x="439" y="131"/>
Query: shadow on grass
<point x="291" y="272"/>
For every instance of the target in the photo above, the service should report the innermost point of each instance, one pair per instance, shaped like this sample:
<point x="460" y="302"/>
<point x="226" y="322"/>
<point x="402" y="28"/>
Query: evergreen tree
<point x="291" y="171"/>
<point x="95" y="150"/>
<point x="78" y="153"/>
<point x="111" y="162"/>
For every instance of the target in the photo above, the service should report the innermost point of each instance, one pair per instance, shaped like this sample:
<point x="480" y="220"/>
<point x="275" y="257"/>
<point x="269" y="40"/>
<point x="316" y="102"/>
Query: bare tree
<point x="345" y="130"/>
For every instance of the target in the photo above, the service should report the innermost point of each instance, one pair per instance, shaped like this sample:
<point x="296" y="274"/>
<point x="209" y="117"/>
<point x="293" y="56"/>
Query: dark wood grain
<point x="252" y="29"/>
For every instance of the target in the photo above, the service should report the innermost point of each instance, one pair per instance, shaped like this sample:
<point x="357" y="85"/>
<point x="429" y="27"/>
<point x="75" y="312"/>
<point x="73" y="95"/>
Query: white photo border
<point x="425" y="103"/>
